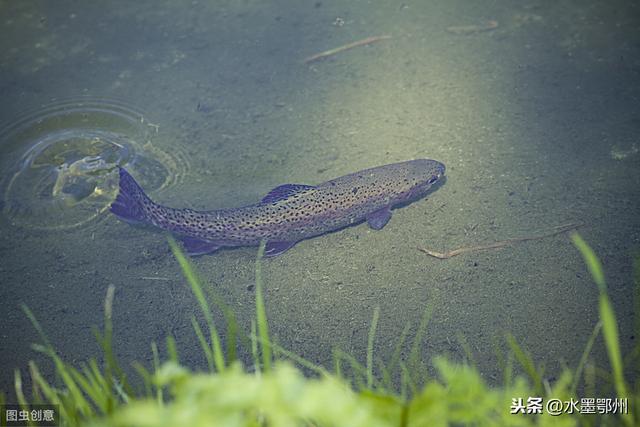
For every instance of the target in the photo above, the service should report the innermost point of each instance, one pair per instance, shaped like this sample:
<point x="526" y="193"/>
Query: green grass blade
<point x="592" y="261"/>
<point x="254" y="347"/>
<point x="172" y="349"/>
<point x="147" y="378"/>
<point x="370" y="340"/>
<point x="386" y="385"/>
<point x="17" y="382"/>
<point x="607" y="316"/>
<point x="409" y="386"/>
<point x="417" y="341"/>
<point x="80" y="404"/>
<point x="583" y="359"/>
<point x="113" y="373"/>
<point x="156" y="368"/>
<point x="397" y="351"/>
<point x="466" y="348"/>
<point x="36" y="392"/>
<point x="231" y="339"/>
<point x="359" y="374"/>
<point x="610" y="332"/>
<point x="98" y="377"/>
<point x="337" y="363"/>
<point x="99" y="396"/>
<point x="194" y="282"/>
<point x="261" y="313"/>
<point x="206" y="348"/>
<point x="42" y="385"/>
<point x="505" y="362"/>
<point x="69" y="413"/>
<point x="121" y="393"/>
<point x="299" y="360"/>
<point x="636" y="312"/>
<point x="508" y="371"/>
<point x="232" y="335"/>
<point x="527" y="364"/>
<point x="37" y="326"/>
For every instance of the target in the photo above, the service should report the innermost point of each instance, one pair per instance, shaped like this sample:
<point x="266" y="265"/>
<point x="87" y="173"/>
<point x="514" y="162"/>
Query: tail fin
<point x="130" y="204"/>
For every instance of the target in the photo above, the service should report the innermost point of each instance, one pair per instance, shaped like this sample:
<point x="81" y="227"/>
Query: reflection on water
<point x="60" y="162"/>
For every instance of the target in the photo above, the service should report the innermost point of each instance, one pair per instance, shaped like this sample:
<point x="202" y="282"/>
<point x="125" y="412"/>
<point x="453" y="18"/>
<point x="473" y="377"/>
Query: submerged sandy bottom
<point x="525" y="116"/>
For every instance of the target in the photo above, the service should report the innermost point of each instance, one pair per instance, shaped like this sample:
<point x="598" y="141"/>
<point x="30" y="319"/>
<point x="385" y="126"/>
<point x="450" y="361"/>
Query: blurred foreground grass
<point x="275" y="392"/>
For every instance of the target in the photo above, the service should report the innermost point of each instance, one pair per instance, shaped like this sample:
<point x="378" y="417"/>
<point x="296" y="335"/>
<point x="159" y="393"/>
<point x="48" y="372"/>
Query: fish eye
<point x="432" y="179"/>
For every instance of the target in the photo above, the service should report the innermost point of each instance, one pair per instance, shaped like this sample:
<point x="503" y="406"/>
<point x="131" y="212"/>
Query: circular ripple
<point x="60" y="162"/>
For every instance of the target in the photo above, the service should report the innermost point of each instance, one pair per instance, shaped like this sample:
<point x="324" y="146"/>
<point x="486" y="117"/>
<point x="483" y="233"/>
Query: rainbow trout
<point x="288" y="213"/>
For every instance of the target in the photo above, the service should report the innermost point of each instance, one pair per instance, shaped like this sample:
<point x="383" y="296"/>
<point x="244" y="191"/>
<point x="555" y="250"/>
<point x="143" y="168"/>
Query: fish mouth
<point x="441" y="178"/>
<point x="438" y="174"/>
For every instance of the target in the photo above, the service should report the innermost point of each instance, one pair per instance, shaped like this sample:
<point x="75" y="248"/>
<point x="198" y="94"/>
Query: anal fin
<point x="196" y="247"/>
<point x="276" y="248"/>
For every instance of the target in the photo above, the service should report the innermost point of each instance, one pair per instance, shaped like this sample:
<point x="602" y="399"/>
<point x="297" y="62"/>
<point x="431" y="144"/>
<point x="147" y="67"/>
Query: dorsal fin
<point x="284" y="191"/>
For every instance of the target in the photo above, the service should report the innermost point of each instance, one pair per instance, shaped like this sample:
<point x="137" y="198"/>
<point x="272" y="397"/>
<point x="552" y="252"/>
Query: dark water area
<point x="534" y="107"/>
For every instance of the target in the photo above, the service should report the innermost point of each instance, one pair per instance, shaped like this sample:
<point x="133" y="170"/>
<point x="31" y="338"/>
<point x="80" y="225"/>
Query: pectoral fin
<point x="276" y="248"/>
<point x="379" y="218"/>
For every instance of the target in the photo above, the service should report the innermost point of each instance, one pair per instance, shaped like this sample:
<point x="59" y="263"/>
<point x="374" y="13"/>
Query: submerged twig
<point x="471" y="29"/>
<point x="348" y="46"/>
<point x="500" y="244"/>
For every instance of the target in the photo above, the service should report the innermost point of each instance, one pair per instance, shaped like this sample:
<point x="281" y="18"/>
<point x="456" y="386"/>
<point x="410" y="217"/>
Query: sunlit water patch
<point x="59" y="164"/>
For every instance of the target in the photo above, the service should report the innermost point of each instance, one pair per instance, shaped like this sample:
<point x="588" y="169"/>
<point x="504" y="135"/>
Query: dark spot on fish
<point x="355" y="190"/>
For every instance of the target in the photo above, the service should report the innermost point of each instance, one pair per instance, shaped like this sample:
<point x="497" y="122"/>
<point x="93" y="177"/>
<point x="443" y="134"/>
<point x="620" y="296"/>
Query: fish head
<point x="421" y="176"/>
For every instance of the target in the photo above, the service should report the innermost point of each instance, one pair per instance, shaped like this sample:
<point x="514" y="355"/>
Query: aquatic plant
<point x="275" y="392"/>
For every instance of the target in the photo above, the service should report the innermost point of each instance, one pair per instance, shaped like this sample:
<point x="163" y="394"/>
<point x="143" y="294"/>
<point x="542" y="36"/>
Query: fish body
<point x="288" y="213"/>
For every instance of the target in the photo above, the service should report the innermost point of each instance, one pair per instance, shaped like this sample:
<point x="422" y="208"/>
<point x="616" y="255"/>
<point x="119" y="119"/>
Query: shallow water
<point x="536" y="118"/>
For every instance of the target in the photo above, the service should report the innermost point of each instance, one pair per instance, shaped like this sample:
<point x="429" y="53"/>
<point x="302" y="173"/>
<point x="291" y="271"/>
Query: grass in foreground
<point x="274" y="392"/>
